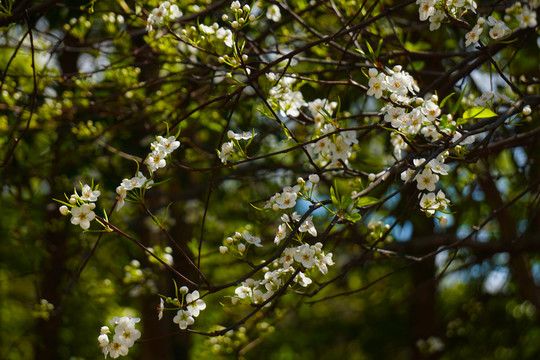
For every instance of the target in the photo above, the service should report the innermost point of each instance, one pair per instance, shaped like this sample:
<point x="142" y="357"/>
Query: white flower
<point x="473" y="36"/>
<point x="135" y="182"/>
<point x="287" y="257"/>
<point x="443" y="221"/>
<point x="183" y="318"/>
<point x="302" y="279"/>
<point x="126" y="335"/>
<point x="253" y="240"/>
<point x="273" y="13"/>
<point x="88" y="195"/>
<point x="160" y="309"/>
<point x="314" y="178"/>
<point x="376" y="84"/>
<point x="426" y="180"/>
<point x="244" y="135"/>
<point x="281" y="233"/>
<point x="116" y="349"/>
<point x="498" y="29"/>
<point x="308" y="226"/>
<point x="235" y="6"/>
<point x="174" y="12"/>
<point x="428" y="203"/>
<point x="426" y="9"/>
<point x="195" y="304"/>
<point x="167" y="145"/>
<point x="305" y="255"/>
<point x="156" y="160"/>
<point x="527" y="17"/>
<point x="82" y="216"/>
<point x="349" y="137"/>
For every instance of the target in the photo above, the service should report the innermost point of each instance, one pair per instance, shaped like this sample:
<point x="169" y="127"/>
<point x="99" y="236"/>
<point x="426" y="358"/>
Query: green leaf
<point x="335" y="199"/>
<point x="478" y="112"/>
<point x="458" y="102"/>
<point x="346" y="201"/>
<point x="366" y="200"/>
<point x="446" y="99"/>
<point x="353" y="217"/>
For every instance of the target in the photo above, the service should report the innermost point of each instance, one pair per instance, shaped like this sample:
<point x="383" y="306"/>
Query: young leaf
<point x="366" y="200"/>
<point x="478" y="112"/>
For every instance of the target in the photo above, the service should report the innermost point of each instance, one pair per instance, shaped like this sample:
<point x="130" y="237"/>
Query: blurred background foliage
<point x="105" y="88"/>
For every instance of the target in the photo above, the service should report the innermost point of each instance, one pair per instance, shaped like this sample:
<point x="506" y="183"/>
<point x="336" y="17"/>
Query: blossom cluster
<point x="286" y="199"/>
<point x="240" y="242"/>
<point x="228" y="148"/>
<point x="124" y="336"/>
<point x="82" y="206"/>
<point x="161" y="148"/>
<point x="426" y="180"/>
<point x="518" y="16"/>
<point x="411" y="115"/>
<point x="282" y="95"/>
<point x="187" y="308"/>
<point x="305" y="255"/>
<point x="162" y="13"/>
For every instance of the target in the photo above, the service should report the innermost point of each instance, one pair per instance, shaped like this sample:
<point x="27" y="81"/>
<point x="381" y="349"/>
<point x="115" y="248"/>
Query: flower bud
<point x="241" y="248"/>
<point x="314" y="178"/>
<point x="443" y="221"/>
<point x="223" y="249"/>
<point x="224" y="17"/>
<point x="526" y="110"/>
<point x="252" y="18"/>
<point x="234" y="24"/>
<point x="64" y="210"/>
<point x="229" y="240"/>
<point x="371" y="177"/>
<point x="92" y="206"/>
<point x="184" y="290"/>
<point x="244" y="57"/>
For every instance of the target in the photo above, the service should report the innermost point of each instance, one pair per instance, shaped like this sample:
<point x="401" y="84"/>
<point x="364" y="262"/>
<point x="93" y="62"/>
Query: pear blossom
<point x="183" y="318"/>
<point x="195" y="304"/>
<point x="82" y="216"/>
<point x="168" y="145"/>
<point x="308" y="226"/>
<point x="160" y="309"/>
<point x="273" y="13"/>
<point x="473" y="36"/>
<point x="426" y="180"/>
<point x="281" y="233"/>
<point x="253" y="240"/>
<point x="287" y="257"/>
<point x="226" y="150"/>
<point x="174" y="12"/>
<point x="377" y="84"/>
<point x="116" y="349"/>
<point x="244" y="135"/>
<point x="87" y="194"/>
<point x="305" y="255"/>
<point x="349" y="137"/>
